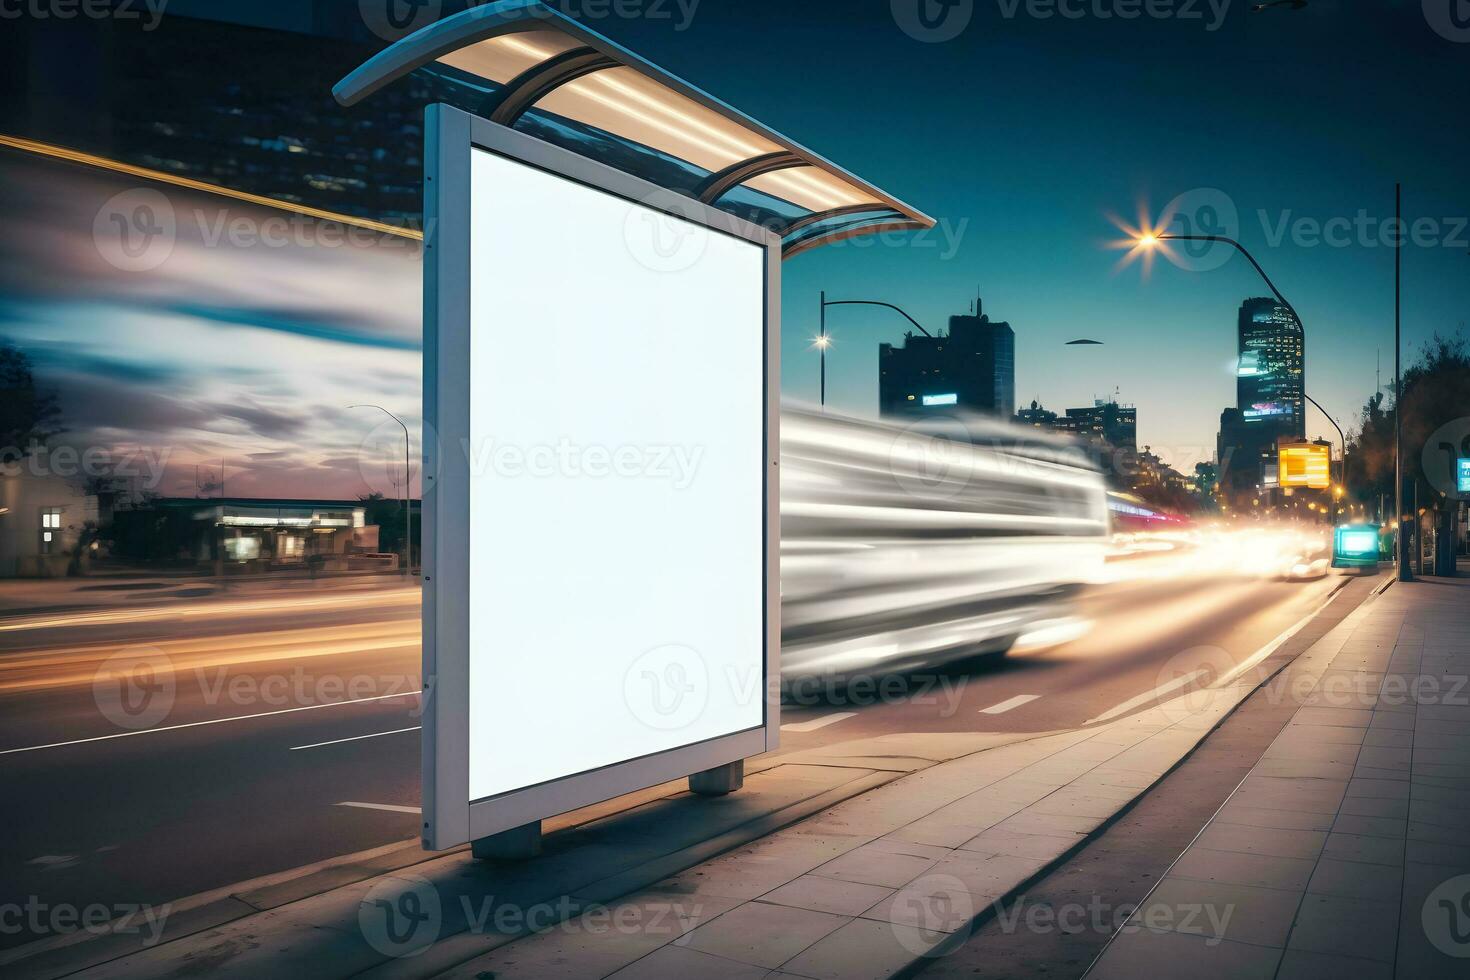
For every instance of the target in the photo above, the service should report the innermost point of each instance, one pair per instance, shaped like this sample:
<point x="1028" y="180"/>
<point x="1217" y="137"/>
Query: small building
<point x="43" y="520"/>
<point x="249" y="534"/>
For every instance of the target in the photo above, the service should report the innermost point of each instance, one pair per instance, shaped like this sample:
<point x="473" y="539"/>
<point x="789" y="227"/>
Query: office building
<point x="1270" y="401"/>
<point x="1270" y="375"/>
<point x="969" y="369"/>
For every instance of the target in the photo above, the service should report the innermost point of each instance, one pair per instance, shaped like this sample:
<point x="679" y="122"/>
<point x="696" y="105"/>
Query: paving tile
<point x="1452" y="856"/>
<point x="1354" y="879"/>
<point x="1160" y="954"/>
<point x="761" y="934"/>
<point x="1251" y="816"/>
<point x="678" y="961"/>
<point x="1045" y="846"/>
<point x="748" y="872"/>
<point x="1262" y="840"/>
<point x="827" y="895"/>
<point x="1299" y="964"/>
<point x="1385" y="758"/>
<point x="1372" y="850"/>
<point x="1348" y="823"/>
<point x="933" y="903"/>
<point x="1385" y="789"/>
<point x="1388" y="737"/>
<point x="1241" y="913"/>
<point x="878" y="863"/>
<point x="1346" y="927"/>
<point x="1367" y="806"/>
<point x="1308" y="795"/>
<point x="864" y="949"/>
<point x="1237" y="868"/>
<point x="1337" y="717"/>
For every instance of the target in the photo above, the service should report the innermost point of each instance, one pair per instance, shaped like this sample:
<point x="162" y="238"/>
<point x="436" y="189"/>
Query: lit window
<point x="51" y="517"/>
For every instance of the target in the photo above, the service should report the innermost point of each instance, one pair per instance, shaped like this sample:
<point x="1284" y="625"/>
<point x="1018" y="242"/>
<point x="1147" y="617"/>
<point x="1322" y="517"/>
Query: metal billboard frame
<point x="450" y="817"/>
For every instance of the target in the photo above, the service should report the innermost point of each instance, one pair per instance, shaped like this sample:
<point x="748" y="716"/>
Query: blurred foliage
<point x="1436" y="390"/>
<point x="27" y="415"/>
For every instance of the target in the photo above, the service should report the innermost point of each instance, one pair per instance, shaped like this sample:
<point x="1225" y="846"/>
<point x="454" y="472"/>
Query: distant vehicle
<point x="909" y="546"/>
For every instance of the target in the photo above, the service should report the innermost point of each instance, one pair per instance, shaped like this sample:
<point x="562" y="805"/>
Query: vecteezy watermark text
<point x="148" y="11"/>
<point x="39" y="918"/>
<point x="676" y="464"/>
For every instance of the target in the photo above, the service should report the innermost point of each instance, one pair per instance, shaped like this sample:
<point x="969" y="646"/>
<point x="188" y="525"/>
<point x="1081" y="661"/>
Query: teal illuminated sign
<point x="1355" y="546"/>
<point x="950" y="399"/>
<point x="1462" y="475"/>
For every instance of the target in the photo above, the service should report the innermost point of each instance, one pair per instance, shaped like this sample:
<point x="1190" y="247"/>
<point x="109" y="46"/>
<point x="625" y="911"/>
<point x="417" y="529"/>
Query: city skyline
<point x="1034" y="225"/>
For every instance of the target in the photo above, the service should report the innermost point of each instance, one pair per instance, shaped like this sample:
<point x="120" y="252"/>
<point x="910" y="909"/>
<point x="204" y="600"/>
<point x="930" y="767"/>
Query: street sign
<point x="600" y="581"/>
<point x="1305" y="465"/>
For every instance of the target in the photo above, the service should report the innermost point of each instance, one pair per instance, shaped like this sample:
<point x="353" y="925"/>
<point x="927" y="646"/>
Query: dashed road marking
<point x="389" y="807"/>
<point x="355" y="738"/>
<point x="1009" y="703"/>
<point x="815" y="723"/>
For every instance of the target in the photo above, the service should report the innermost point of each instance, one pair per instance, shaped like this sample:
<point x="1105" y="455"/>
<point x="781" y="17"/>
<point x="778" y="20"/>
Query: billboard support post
<point x="516" y="844"/>
<point x="720" y="780"/>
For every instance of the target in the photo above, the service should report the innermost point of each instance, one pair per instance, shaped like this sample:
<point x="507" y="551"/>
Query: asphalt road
<point x="247" y="734"/>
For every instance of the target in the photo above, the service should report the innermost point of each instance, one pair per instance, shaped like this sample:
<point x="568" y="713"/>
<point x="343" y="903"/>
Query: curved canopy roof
<point x="526" y="65"/>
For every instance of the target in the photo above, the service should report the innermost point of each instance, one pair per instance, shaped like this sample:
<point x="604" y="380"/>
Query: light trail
<point x="215" y="608"/>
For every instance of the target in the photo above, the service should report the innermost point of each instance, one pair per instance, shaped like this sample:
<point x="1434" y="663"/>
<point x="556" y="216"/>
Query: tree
<point x="1436" y="390"/>
<point x="388" y="516"/>
<point x="27" y="416"/>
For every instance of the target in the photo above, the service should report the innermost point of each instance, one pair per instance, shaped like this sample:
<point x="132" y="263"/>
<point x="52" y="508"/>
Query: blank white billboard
<point x="617" y="476"/>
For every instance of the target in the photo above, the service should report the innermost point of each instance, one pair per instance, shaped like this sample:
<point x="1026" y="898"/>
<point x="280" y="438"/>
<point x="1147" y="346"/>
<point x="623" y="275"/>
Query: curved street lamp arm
<point x="1249" y="258"/>
<point x="874" y="302"/>
<point x="1342" y="438"/>
<point x="407" y="478"/>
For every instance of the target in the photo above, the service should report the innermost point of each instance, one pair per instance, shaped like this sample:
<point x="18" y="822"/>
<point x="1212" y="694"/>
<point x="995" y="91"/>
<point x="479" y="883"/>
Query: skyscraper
<point x="1270" y="381"/>
<point x="970" y="369"/>
<point x="1270" y="375"/>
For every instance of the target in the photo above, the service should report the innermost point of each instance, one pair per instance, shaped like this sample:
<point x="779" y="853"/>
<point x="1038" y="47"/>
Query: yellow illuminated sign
<point x="1305" y="466"/>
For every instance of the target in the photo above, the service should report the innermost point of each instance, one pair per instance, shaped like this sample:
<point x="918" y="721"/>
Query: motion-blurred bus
<point x="905" y="547"/>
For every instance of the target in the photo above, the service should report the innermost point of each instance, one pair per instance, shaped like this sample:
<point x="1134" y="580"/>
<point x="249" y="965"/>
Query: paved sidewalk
<point x="862" y="859"/>
<point x="1346" y="850"/>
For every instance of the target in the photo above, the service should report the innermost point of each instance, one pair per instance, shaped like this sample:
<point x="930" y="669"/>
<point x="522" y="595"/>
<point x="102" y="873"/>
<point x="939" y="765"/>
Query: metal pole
<point x="1341" y="438"/>
<point x="407" y="510"/>
<point x="822" y="348"/>
<point x="1401" y="547"/>
<point x="407" y="514"/>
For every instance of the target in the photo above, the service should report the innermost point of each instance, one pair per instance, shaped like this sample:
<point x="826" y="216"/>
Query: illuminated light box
<point x="1355" y="545"/>
<point x="601" y="607"/>
<point x="1305" y="466"/>
<point x="950" y="399"/>
<point x="1462" y="475"/>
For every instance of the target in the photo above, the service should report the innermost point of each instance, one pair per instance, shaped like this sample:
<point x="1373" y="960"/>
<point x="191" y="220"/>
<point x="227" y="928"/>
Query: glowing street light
<point x="1146" y="239"/>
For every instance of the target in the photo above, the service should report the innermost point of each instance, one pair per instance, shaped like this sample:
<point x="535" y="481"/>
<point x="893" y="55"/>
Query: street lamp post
<point x="822" y="341"/>
<point x="407" y="514"/>
<point x="1400" y="544"/>
<point x="1151" y="239"/>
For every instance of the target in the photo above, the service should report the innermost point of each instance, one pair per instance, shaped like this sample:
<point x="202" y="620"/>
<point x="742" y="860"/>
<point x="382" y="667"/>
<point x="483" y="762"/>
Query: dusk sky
<point x="1025" y="137"/>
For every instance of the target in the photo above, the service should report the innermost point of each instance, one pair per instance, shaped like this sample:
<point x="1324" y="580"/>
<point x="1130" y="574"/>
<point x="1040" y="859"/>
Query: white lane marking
<point x="1009" y="703"/>
<point x="390" y="807"/>
<point x="815" y="723"/>
<point x="355" y="738"/>
<point x="1147" y="696"/>
<point x="211" y="721"/>
<point x="1229" y="677"/>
